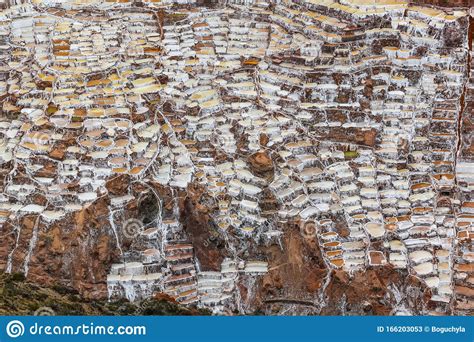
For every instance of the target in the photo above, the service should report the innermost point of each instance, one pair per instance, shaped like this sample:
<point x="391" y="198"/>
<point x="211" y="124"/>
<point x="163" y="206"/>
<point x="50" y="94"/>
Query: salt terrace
<point x="353" y="116"/>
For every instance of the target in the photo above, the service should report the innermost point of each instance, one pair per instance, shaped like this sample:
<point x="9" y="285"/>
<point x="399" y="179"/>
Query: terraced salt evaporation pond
<point x="257" y="116"/>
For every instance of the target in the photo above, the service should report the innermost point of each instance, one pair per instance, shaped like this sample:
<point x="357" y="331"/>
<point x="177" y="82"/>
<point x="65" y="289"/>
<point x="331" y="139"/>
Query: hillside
<point x="20" y="297"/>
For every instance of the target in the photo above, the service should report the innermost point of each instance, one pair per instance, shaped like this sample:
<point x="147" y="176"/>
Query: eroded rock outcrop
<point x="274" y="157"/>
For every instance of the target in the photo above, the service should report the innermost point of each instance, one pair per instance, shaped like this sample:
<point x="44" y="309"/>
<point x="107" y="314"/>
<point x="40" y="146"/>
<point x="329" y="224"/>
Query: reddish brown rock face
<point x="264" y="139"/>
<point x="57" y="153"/>
<point x="74" y="252"/>
<point x="362" y="137"/>
<point x="371" y="293"/>
<point x="209" y="247"/>
<point x="444" y="3"/>
<point x="261" y="164"/>
<point x="118" y="186"/>
<point x="295" y="270"/>
<point x="301" y="159"/>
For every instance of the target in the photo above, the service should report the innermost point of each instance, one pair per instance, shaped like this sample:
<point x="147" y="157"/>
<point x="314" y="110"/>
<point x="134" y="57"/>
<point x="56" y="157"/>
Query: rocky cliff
<point x="282" y="157"/>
